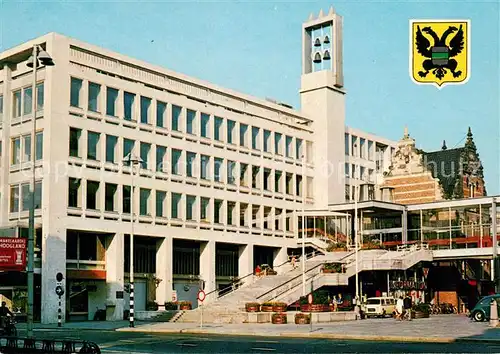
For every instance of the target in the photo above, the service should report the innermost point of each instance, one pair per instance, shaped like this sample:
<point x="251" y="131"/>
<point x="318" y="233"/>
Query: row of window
<point x="155" y="112"/>
<point x="20" y="197"/>
<point x="22" y="102"/>
<point x="187" y="163"/>
<point x="21" y="148"/>
<point x="182" y="206"/>
<point x="359" y="172"/>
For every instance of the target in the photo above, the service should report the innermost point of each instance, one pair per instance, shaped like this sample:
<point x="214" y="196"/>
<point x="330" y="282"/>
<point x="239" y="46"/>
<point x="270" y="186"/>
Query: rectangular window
<point x="76" y="89"/>
<point x="160" y="201"/>
<point x="38" y="195"/>
<point x="17" y="108"/>
<point x="190" y="205"/>
<point x="205" y="122"/>
<point x="145" y="105"/>
<point x="288" y="146"/>
<point x="74" y="142"/>
<point x="230" y="131"/>
<point x="243" y="134"/>
<point x="128" y="105"/>
<point x="190" y="121"/>
<point x="27" y="100"/>
<point x="25" y="196"/>
<point x="255" y="138"/>
<point x="144" y="195"/>
<point x="1" y="108"/>
<point x="94" y="91"/>
<point x="204" y="203"/>
<point x="16" y="151"/>
<point x="370" y="150"/>
<point x="230" y="211"/>
<point x="145" y="148"/>
<point x="92" y="145"/>
<point x="40" y="97"/>
<point x="160" y="158"/>
<point x="218" y="162"/>
<point x="190" y="158"/>
<point x="14" y="199"/>
<point x="298" y="149"/>
<point x="111" y="142"/>
<point x="39" y="146"/>
<point x="74" y="192"/>
<point x="231" y="166"/>
<point x="110" y="194"/>
<point x="346" y="169"/>
<point x="277" y="182"/>
<point x="92" y="195"/>
<point x="217" y="211"/>
<point x="126" y="199"/>
<point x="176" y="204"/>
<point x="26" y="142"/>
<point x="128" y="148"/>
<point x="267" y="179"/>
<point x="218" y="121"/>
<point x="176" y="159"/>
<point x="204" y="164"/>
<point x="176" y="117"/>
<point x="277" y="144"/>
<point x="161" y="110"/>
<point x="111" y="99"/>
<point x="267" y="138"/>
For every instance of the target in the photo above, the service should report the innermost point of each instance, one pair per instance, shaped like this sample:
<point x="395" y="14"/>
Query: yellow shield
<point x="440" y="52"/>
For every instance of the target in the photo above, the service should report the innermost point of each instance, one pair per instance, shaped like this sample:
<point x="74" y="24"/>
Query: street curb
<point x="303" y="335"/>
<point x="60" y="329"/>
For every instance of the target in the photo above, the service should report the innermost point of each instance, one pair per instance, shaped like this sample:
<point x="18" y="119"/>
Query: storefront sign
<point x="407" y="285"/>
<point x="12" y="253"/>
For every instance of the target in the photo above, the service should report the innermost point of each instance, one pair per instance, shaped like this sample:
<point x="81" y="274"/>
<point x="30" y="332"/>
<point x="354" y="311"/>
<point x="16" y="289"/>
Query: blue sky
<point x="255" y="47"/>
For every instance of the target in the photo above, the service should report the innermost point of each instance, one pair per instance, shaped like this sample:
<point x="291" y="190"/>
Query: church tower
<point x="323" y="100"/>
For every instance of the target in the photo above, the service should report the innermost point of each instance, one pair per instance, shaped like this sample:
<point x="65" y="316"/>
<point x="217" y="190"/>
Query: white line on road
<point x="187" y="345"/>
<point x="265" y="349"/>
<point x="267" y="341"/>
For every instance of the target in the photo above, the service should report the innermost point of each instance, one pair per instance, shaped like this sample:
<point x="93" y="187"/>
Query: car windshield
<point x="373" y="302"/>
<point x="485" y="300"/>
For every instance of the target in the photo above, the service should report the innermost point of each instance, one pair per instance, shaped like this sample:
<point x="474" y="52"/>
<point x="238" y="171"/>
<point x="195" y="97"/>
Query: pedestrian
<point x="399" y="308"/>
<point x="258" y="271"/>
<point x="293" y="262"/>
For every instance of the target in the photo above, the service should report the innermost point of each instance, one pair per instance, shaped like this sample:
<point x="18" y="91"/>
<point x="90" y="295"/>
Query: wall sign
<point x="12" y="253"/>
<point x="407" y="285"/>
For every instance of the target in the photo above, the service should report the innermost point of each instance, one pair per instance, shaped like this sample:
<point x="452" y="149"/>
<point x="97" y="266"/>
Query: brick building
<point x="415" y="176"/>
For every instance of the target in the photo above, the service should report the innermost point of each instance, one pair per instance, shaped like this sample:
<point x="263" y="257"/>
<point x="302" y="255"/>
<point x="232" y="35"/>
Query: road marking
<point x="127" y="340"/>
<point x="187" y="345"/>
<point x="265" y="349"/>
<point x="267" y="341"/>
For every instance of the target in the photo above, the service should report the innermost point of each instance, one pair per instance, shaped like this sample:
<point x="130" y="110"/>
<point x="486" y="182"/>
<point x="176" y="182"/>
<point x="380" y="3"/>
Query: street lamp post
<point x="132" y="161"/>
<point x="356" y="241"/>
<point x="304" y="191"/>
<point x="38" y="57"/>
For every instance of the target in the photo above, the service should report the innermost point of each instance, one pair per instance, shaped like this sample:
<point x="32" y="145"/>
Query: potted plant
<point x="421" y="311"/>
<point x="337" y="247"/>
<point x="152" y="306"/>
<point x="252" y="307"/>
<point x="280" y="306"/>
<point x="278" y="318"/>
<point x="171" y="306"/>
<point x="302" y="318"/>
<point x="267" y="306"/>
<point x="332" y="268"/>
<point x="185" y="305"/>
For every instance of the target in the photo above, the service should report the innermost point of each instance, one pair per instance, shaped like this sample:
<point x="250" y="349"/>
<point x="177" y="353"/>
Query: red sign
<point x="12" y="253"/>
<point x="201" y="295"/>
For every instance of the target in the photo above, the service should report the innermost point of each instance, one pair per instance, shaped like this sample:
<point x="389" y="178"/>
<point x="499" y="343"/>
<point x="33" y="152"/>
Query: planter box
<point x="184" y="307"/>
<point x="315" y="308"/>
<point x="420" y="314"/>
<point x="252" y="308"/>
<point x="266" y="308"/>
<point x="280" y="319"/>
<point x="279" y="308"/>
<point x="329" y="271"/>
<point x="302" y="320"/>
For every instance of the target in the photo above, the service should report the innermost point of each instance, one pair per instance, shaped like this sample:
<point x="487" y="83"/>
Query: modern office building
<point x="220" y="177"/>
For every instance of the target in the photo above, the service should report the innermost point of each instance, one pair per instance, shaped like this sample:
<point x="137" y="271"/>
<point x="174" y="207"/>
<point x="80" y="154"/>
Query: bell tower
<point x="322" y="98"/>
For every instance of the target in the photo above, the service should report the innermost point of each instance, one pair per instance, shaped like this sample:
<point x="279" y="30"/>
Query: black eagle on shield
<point x="440" y="54"/>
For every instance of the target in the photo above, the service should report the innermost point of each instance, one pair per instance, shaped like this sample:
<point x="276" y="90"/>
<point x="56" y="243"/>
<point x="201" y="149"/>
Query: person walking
<point x="399" y="308"/>
<point x="293" y="261"/>
<point x="407" y="302"/>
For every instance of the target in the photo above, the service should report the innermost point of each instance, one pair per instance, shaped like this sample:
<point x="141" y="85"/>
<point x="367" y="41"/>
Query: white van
<point x="380" y="306"/>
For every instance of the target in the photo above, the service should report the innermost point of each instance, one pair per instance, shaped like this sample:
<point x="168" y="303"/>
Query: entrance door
<point x="140" y="295"/>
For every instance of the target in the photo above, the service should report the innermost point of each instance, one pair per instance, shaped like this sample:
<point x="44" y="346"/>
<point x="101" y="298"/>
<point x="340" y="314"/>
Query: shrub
<point x="425" y="308"/>
<point x="170" y="305"/>
<point x="152" y="306"/>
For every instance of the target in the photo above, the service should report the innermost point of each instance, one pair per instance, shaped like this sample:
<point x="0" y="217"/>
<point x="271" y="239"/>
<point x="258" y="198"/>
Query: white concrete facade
<point x="219" y="166"/>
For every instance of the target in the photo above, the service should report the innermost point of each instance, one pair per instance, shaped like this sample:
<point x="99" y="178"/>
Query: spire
<point x="331" y="11"/>
<point x="444" y="147"/>
<point x="311" y="17"/>
<point x="406" y="134"/>
<point x="321" y="13"/>
<point x="469" y="143"/>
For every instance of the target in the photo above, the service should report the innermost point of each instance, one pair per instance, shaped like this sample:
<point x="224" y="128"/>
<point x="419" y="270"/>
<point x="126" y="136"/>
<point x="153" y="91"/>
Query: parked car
<point x="481" y="311"/>
<point x="380" y="306"/>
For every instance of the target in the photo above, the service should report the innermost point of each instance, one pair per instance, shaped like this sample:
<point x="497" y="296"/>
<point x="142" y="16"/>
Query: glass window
<point x="14" y="199"/>
<point x="217" y="128"/>
<point x="73" y="192"/>
<point x="190" y="203"/>
<point x="347" y="143"/>
<point x="27" y="148"/>
<point x="92" y="195"/>
<point x="190" y="158"/>
<point x="145" y="104"/>
<point x="144" y="201"/>
<point x="243" y="133"/>
<point x="255" y="138"/>
<point x="175" y="206"/>
<point x="111" y="99"/>
<point x="39" y="146"/>
<point x="160" y="158"/>
<point x="92" y="145"/>
<point x="231" y="165"/>
<point x="110" y="192"/>
<point x="298" y="148"/>
<point x="288" y="147"/>
<point x="204" y="202"/>
<point x="205" y="121"/>
<point x="74" y="142"/>
<point x="17" y="108"/>
<point x="126" y="199"/>
<point x="160" y="200"/>
<point x="161" y="109"/>
<point x="230" y="131"/>
<point x="76" y="88"/>
<point x="25" y="196"/>
<point x="27" y="100"/>
<point x="111" y="142"/>
<point x="277" y="143"/>
<point x="176" y="159"/>
<point x="217" y="169"/>
<point x="94" y="91"/>
<point x="128" y="105"/>
<point x="128" y="147"/>
<point x="40" y="97"/>
<point x="1" y="108"/>
<point x="176" y="117"/>
<point x="190" y="121"/>
<point x="267" y="137"/>
<point x="205" y="163"/>
<point x="16" y="151"/>
<point x="145" y="148"/>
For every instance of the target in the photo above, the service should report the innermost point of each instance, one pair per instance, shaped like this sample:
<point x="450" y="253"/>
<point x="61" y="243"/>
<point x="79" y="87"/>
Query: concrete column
<point x="164" y="255"/>
<point x="245" y="261"/>
<point x="114" y="277"/>
<point x="207" y="266"/>
<point x="53" y="262"/>
<point x="280" y="257"/>
<point x="404" y="226"/>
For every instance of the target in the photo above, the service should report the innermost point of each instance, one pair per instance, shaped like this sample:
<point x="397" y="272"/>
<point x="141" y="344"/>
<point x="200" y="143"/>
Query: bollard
<point x="493" y="313"/>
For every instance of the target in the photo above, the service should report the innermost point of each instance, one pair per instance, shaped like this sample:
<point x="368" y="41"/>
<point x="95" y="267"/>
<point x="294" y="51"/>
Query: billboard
<point x="12" y="253"/>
